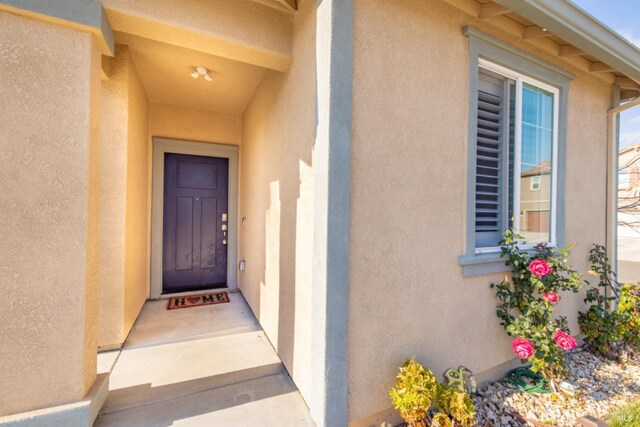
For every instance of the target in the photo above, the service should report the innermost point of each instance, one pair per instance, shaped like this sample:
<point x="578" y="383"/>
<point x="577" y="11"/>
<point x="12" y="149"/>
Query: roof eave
<point x="573" y="24"/>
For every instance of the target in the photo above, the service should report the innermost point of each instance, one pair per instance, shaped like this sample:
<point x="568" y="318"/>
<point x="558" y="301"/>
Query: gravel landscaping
<point x="603" y="386"/>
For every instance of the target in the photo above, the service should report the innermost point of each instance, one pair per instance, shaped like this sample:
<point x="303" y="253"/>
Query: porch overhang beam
<point x="84" y="15"/>
<point x="247" y="32"/>
<point x="626" y="83"/>
<point x="600" y="67"/>
<point x="292" y="5"/>
<point x="626" y="95"/>
<point x="535" y="32"/>
<point x="490" y="10"/>
<point x="577" y="27"/>
<point x="570" y="50"/>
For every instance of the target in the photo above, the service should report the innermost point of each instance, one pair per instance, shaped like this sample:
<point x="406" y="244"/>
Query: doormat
<point x="197" y="300"/>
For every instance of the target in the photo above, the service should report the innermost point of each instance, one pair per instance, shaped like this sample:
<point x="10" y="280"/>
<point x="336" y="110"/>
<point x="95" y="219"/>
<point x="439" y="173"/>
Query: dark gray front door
<point x="195" y="222"/>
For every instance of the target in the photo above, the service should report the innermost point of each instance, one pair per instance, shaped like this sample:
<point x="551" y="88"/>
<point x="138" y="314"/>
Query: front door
<point x="195" y="222"/>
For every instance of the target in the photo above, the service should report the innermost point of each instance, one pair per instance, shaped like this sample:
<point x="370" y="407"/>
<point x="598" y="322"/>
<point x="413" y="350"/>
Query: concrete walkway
<point x="200" y="366"/>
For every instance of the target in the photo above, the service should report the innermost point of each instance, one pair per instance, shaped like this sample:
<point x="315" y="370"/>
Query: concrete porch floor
<point x="202" y="366"/>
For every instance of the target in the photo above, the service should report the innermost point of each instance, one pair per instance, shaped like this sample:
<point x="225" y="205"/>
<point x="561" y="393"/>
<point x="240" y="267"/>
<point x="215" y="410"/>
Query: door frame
<point x="207" y="149"/>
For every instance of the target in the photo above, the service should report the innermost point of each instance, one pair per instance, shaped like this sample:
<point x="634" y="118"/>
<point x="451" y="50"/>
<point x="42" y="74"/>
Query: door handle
<point x="223" y="227"/>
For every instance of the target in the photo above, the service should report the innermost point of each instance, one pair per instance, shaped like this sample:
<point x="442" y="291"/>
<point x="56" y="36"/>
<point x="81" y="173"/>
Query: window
<point x="534" y="183"/>
<point x="517" y="133"/>
<point x="516" y="148"/>
<point x="623" y="179"/>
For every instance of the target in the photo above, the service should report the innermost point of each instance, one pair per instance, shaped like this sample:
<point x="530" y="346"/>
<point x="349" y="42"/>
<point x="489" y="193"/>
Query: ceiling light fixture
<point x="201" y="71"/>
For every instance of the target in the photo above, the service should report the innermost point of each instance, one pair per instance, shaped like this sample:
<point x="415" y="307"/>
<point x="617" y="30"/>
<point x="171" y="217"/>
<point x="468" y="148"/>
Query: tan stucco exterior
<point x="124" y="200"/>
<point x="276" y="196"/>
<point x="78" y="185"/>
<point x="138" y="202"/>
<point x="113" y="131"/>
<point x="407" y="295"/>
<point x="170" y="121"/>
<point x="49" y="151"/>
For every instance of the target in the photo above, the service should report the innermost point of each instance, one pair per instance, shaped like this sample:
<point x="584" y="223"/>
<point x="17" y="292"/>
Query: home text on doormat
<point x="197" y="300"/>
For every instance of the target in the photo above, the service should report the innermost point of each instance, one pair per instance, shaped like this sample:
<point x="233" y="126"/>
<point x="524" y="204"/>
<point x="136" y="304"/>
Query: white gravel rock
<point x="603" y="385"/>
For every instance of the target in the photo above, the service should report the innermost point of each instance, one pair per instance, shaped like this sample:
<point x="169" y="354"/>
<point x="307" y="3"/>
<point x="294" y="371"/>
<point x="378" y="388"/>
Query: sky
<point x="622" y="16"/>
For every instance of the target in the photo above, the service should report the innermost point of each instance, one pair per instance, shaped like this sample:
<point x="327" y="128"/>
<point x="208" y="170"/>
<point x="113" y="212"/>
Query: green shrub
<point x="629" y="311"/>
<point x="599" y="324"/>
<point x="611" y="324"/>
<point x="527" y="303"/>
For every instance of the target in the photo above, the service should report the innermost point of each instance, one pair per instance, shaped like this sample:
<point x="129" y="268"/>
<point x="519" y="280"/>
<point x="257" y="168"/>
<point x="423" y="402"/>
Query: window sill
<point x="490" y="262"/>
<point x="479" y="264"/>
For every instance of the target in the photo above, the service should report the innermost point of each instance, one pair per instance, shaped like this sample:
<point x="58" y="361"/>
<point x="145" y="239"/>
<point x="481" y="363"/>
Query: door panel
<point x="194" y="232"/>
<point x="184" y="233"/>
<point x="197" y="175"/>
<point x="209" y="228"/>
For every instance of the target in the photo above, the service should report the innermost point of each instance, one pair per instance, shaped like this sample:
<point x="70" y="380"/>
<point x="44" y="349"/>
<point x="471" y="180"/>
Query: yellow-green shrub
<point x="417" y="390"/>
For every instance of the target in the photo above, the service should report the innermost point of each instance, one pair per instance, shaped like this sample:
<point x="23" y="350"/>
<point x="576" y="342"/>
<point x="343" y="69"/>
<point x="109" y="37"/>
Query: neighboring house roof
<point x="542" y="168"/>
<point x="562" y="28"/>
<point x="631" y="147"/>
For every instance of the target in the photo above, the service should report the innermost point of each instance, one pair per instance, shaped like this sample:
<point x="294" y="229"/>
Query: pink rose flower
<point x="564" y="340"/>
<point x="522" y="348"/>
<point x="539" y="268"/>
<point x="552" y="297"/>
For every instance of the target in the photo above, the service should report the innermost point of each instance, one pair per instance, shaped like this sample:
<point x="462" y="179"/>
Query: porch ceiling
<point x="165" y="70"/>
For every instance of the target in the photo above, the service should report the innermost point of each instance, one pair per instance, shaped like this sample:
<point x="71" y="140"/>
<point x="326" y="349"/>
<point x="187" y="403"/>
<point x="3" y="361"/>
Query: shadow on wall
<point x="286" y="286"/>
<point x="276" y="197"/>
<point x="270" y="287"/>
<point x="276" y="242"/>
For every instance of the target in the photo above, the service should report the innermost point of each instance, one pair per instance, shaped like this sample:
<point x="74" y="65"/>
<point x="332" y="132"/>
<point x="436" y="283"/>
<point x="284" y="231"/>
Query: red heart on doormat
<point x="193" y="300"/>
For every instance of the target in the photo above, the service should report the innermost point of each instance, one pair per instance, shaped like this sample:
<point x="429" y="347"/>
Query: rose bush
<point x="564" y="340"/>
<point x="528" y="299"/>
<point x="552" y="297"/>
<point x="522" y="348"/>
<point x="539" y="268"/>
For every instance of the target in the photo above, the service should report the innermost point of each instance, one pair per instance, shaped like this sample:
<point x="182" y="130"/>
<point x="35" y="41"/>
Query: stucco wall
<point x="124" y="200"/>
<point x="410" y="99"/>
<point x="137" y="231"/>
<point x="170" y="121"/>
<point x="276" y="200"/>
<point x="49" y="222"/>
<point x="113" y="176"/>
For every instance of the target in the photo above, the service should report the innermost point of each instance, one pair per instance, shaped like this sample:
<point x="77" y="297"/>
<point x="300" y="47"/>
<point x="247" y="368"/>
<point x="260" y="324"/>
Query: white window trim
<point x="520" y="79"/>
